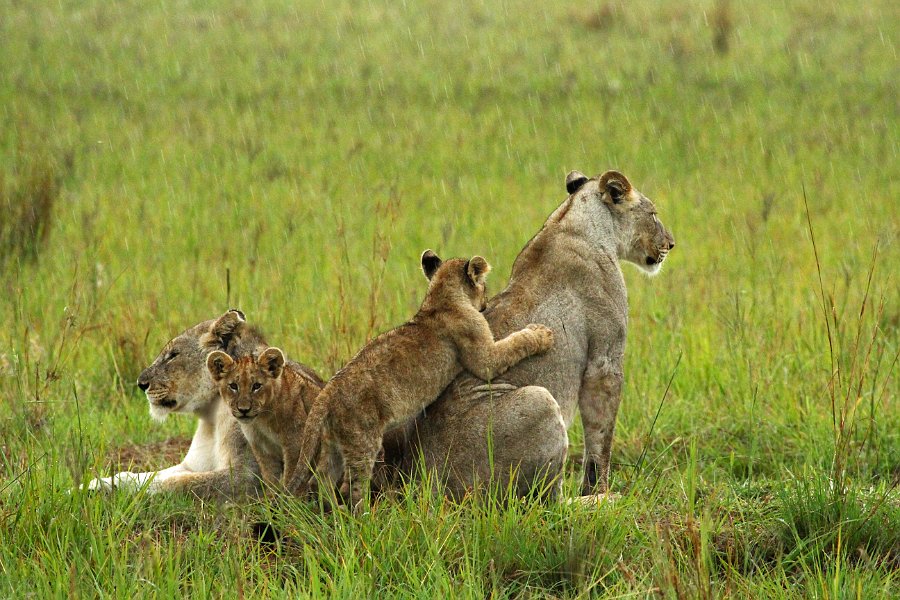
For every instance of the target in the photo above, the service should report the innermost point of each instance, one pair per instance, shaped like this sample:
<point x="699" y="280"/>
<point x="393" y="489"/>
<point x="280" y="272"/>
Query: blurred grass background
<point x="162" y="162"/>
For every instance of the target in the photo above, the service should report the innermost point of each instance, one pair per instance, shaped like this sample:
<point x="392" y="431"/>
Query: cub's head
<point x="641" y="238"/>
<point x="458" y="275"/>
<point x="247" y="385"/>
<point x="178" y="380"/>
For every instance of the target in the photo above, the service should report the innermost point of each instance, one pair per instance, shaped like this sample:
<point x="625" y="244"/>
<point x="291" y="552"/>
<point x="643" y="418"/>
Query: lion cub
<point x="270" y="399"/>
<point x="402" y="371"/>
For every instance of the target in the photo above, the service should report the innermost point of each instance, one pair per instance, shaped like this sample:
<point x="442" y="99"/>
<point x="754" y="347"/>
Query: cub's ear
<point x="272" y="361"/>
<point x="477" y="269"/>
<point x="574" y="181"/>
<point x="615" y="185"/>
<point x="219" y="364"/>
<point x="430" y="263"/>
<point x="225" y="329"/>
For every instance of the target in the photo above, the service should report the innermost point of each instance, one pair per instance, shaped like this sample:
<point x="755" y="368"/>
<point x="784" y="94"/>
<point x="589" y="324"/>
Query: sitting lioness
<point x="219" y="463"/>
<point x="402" y="371"/>
<point x="270" y="398"/>
<point x="568" y="276"/>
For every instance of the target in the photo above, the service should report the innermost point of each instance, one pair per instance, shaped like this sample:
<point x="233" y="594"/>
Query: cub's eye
<point x="256" y="387"/>
<point x="232" y="387"/>
<point x="171" y="356"/>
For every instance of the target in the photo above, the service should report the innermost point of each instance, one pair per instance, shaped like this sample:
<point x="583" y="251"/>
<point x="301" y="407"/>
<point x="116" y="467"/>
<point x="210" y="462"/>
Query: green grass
<point x="161" y="162"/>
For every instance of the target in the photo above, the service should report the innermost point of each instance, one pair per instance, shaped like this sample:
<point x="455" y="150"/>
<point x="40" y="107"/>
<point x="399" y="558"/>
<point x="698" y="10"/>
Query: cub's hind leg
<point x="356" y="429"/>
<point x="359" y="463"/>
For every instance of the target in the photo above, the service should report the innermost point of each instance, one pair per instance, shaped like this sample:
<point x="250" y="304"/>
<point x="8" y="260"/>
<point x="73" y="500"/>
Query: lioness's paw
<point x="132" y="481"/>
<point x="543" y="336"/>
<point x="101" y="484"/>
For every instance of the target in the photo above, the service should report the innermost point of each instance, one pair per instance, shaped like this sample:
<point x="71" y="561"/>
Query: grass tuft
<point x="722" y="24"/>
<point x="28" y="197"/>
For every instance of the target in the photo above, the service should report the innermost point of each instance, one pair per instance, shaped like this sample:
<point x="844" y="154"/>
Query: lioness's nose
<point x="671" y="242"/>
<point x="143" y="385"/>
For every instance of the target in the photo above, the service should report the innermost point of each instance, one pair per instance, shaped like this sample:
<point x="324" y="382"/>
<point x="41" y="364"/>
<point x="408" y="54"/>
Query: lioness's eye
<point x="232" y="387"/>
<point x="256" y="387"/>
<point x="171" y="355"/>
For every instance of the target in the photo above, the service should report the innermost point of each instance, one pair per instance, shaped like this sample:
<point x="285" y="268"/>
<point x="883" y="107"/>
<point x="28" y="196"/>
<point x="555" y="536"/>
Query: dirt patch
<point x="148" y="457"/>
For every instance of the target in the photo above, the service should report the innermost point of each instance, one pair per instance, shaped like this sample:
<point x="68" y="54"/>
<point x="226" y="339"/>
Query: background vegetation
<point x="161" y="162"/>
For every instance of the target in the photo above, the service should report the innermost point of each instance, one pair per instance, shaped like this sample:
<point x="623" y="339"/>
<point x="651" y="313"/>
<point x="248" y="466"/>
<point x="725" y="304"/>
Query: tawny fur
<point x="219" y="463"/>
<point x="271" y="399"/>
<point x="512" y="432"/>
<point x="568" y="276"/>
<point x="402" y="371"/>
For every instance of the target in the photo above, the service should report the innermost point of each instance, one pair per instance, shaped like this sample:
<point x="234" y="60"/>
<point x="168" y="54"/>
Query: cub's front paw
<point x="542" y="335"/>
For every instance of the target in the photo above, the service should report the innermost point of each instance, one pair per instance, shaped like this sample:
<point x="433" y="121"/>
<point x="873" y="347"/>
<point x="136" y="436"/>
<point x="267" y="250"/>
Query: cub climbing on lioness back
<point x="270" y="398"/>
<point x="402" y="371"/>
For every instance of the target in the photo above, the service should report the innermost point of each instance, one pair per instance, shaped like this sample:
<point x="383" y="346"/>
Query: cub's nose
<point x="243" y="411"/>
<point x="143" y="385"/>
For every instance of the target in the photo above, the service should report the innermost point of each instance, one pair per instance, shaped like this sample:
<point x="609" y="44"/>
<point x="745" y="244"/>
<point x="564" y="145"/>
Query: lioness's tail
<point x="310" y="448"/>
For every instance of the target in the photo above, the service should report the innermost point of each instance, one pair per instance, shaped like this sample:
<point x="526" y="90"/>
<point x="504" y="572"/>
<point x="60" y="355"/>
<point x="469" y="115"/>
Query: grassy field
<point x="161" y="162"/>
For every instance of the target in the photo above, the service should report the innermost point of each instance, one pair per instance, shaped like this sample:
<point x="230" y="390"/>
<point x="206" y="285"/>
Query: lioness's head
<point x="247" y="385"/>
<point x="458" y="275"/>
<point x="178" y="380"/>
<point x="641" y="238"/>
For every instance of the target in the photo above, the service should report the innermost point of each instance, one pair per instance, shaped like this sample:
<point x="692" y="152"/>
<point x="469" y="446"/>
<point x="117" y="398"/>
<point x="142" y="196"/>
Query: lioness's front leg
<point x="222" y="483"/>
<point x="218" y="484"/>
<point x="598" y="401"/>
<point x="128" y="480"/>
<point x="486" y="359"/>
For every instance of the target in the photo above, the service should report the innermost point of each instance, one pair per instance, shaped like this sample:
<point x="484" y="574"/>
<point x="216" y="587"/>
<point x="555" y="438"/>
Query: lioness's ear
<point x="430" y="263"/>
<point x="219" y="364"/>
<point x="224" y="330"/>
<point x="477" y="269"/>
<point x="574" y="181"/>
<point x="272" y="360"/>
<point x="615" y="185"/>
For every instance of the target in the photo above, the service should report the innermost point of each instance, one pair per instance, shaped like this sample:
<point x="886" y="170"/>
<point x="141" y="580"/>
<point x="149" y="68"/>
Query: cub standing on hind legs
<point x="402" y="371"/>
<point x="270" y="399"/>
